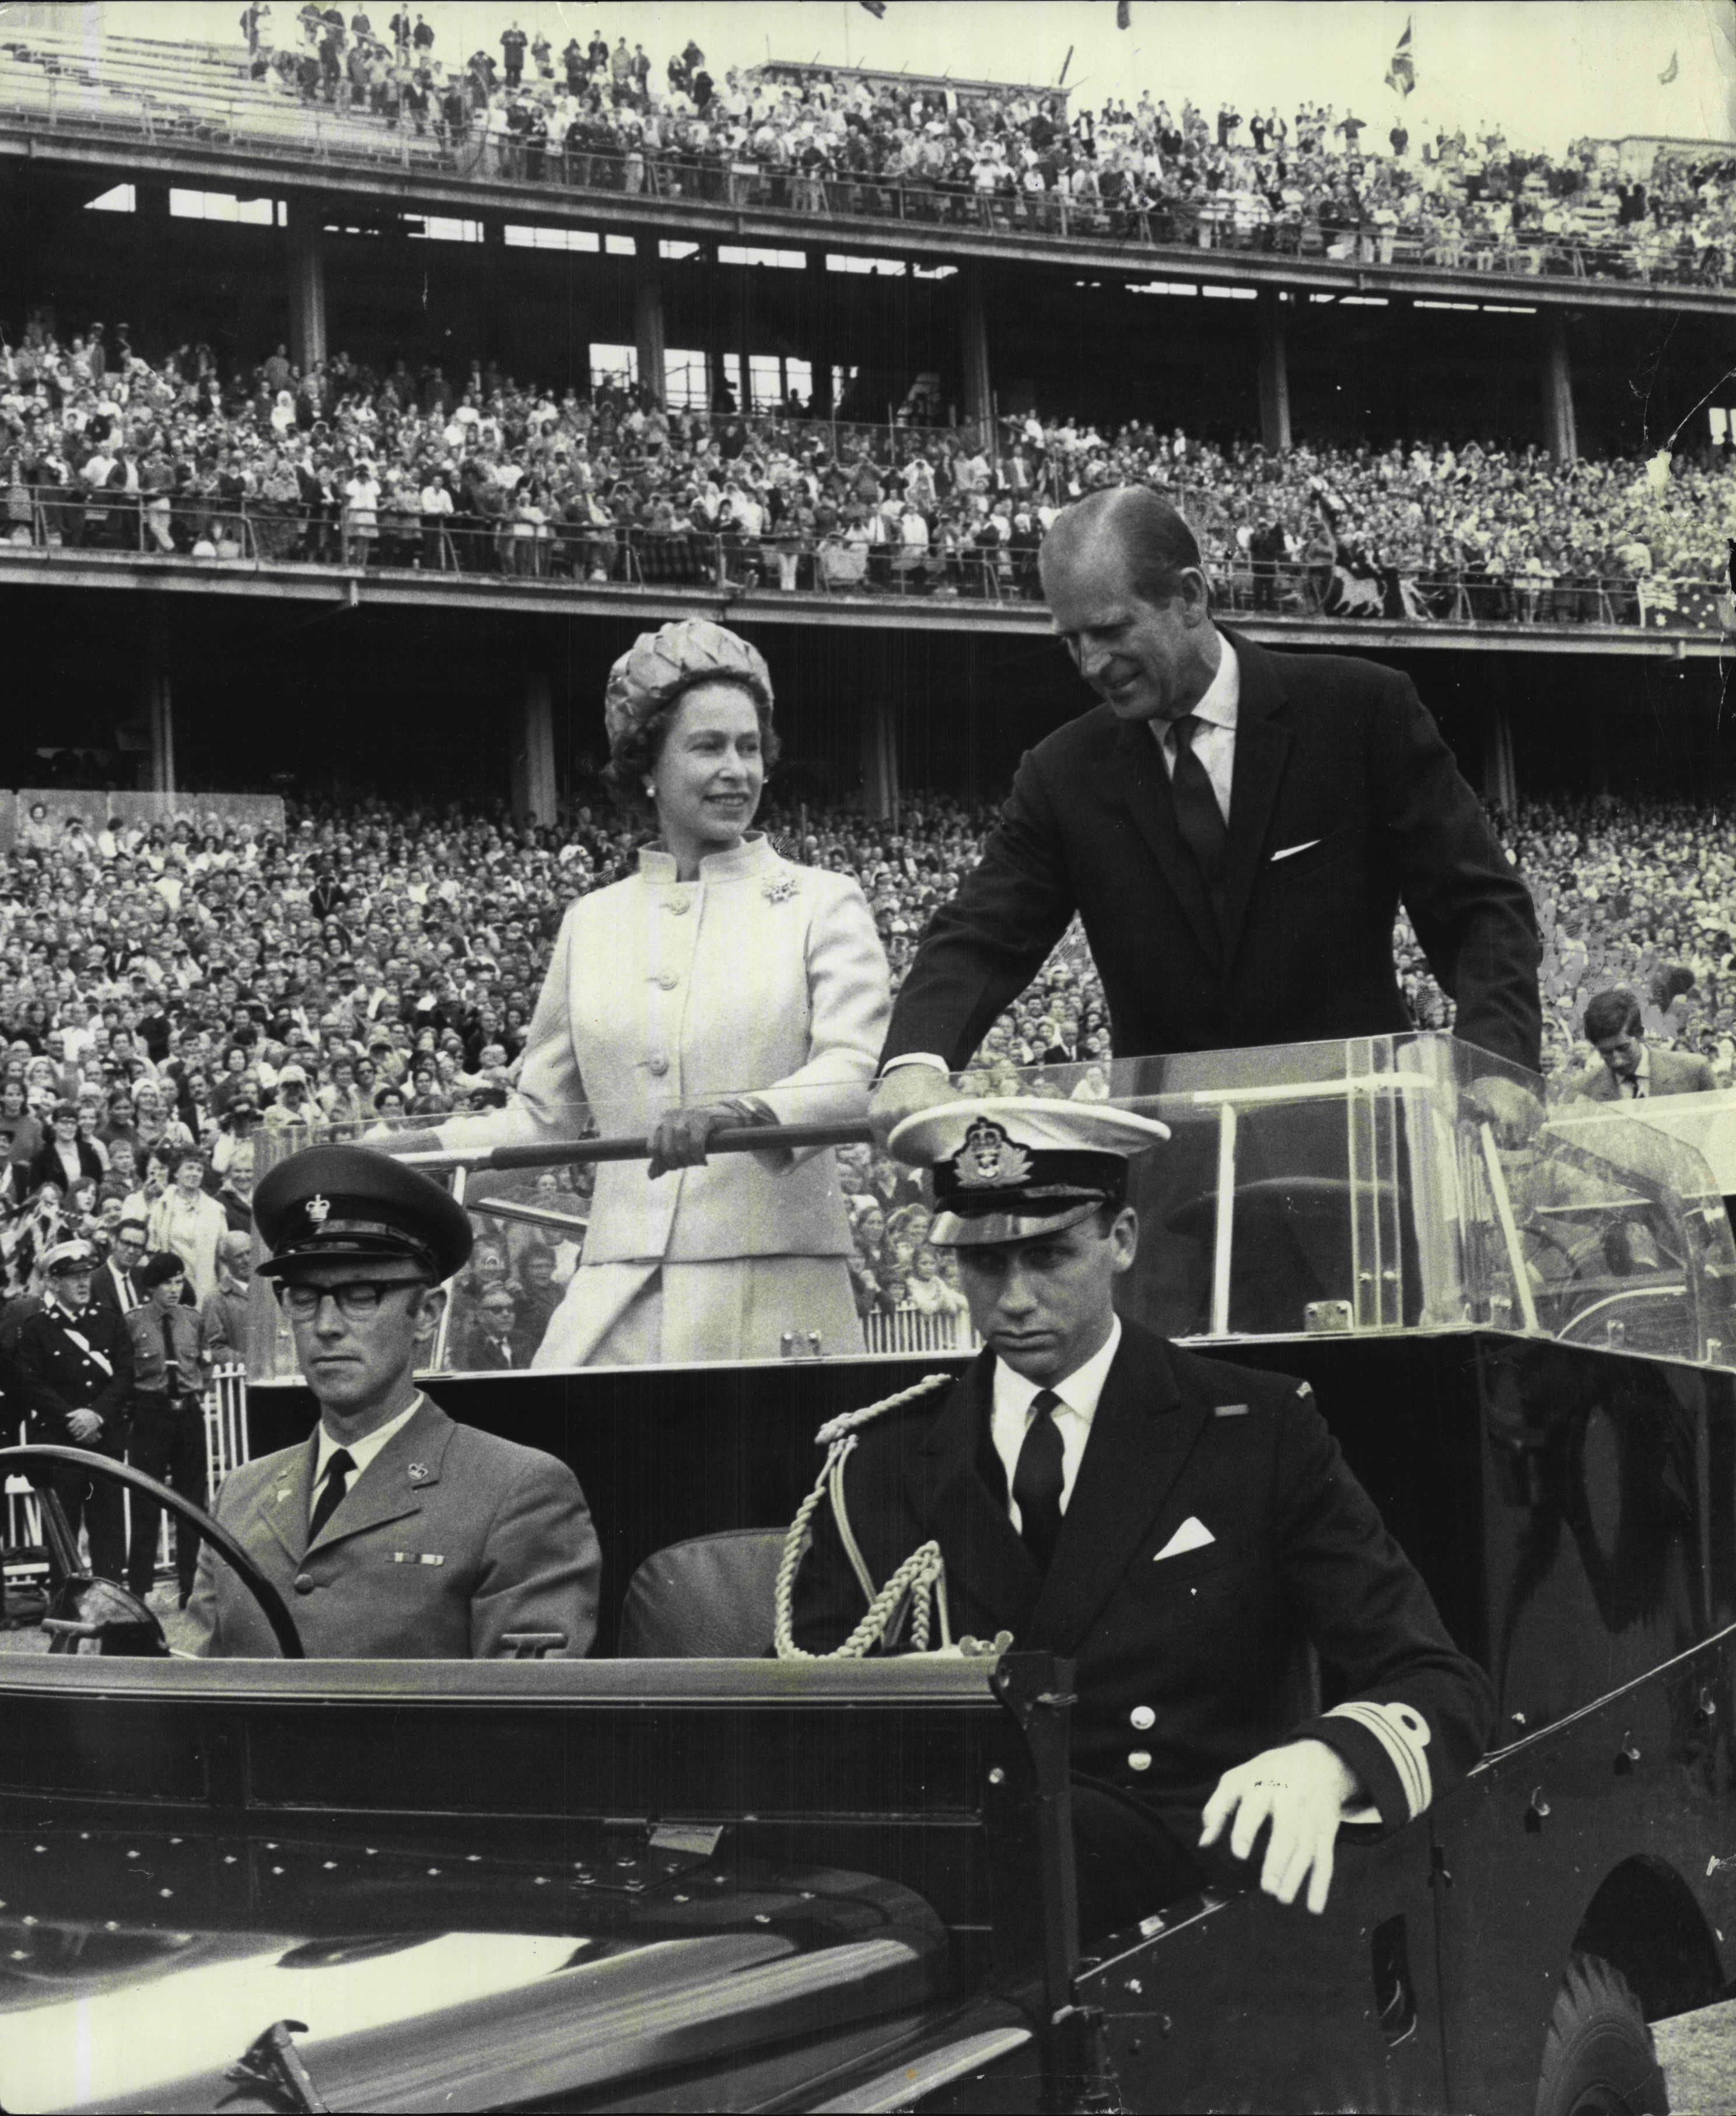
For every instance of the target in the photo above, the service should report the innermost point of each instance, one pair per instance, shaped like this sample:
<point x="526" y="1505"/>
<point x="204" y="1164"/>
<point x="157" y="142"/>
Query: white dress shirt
<point x="1637" y="1087"/>
<point x="1214" y="744"/>
<point x="1010" y="1419"/>
<point x="360" y="1452"/>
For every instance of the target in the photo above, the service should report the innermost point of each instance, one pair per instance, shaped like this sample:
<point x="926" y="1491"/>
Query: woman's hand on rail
<point x="680" y="1138"/>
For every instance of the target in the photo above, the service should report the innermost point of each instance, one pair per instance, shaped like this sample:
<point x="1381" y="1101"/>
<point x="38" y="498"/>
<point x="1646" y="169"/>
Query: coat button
<point x="304" y="1583"/>
<point x="669" y="981"/>
<point x="1143" y="1718"/>
<point x="657" y="1063"/>
<point x="678" y="904"/>
<point x="1139" y="1759"/>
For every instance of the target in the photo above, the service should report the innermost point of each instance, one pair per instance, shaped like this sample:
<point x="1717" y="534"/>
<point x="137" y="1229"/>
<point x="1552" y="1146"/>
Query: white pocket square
<point x="1290" y="852"/>
<point x="1193" y="1534"/>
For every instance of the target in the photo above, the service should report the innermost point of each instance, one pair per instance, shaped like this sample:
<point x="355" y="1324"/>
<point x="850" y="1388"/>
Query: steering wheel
<point x="82" y="1606"/>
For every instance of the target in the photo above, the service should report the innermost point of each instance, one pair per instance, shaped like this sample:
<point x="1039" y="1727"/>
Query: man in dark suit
<point x="1236" y="829"/>
<point x="1627" y="1068"/>
<point x="115" y="1287"/>
<point x="74" y="1363"/>
<point x="1182" y="1529"/>
<point x="392" y="1532"/>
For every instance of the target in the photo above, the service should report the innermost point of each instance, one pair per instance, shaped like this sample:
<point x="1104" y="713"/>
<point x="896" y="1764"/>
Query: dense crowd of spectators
<point x="1313" y="182"/>
<point x="102" y="449"/>
<point x="167" y="994"/>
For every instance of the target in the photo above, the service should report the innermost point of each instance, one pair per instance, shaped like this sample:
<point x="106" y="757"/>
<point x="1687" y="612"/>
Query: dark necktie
<point x="171" y="1365"/>
<point x="1198" y="816"/>
<point x="331" y="1491"/>
<point x="1037" y="1479"/>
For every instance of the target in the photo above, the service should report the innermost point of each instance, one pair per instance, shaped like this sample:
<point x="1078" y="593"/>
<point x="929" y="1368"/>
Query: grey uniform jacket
<point x="448" y="1539"/>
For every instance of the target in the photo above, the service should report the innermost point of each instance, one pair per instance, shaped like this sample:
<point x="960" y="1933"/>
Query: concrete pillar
<point x="823" y="349"/>
<point x="1558" y="424"/>
<point x="493" y="282"/>
<point x="533" y="791"/>
<point x="880" y="788"/>
<point x="307" y="337"/>
<point x="978" y="402"/>
<point x="1274" y="372"/>
<point x="713" y="338"/>
<point x="159" y="714"/>
<point x="648" y="333"/>
<point x="1500" y="780"/>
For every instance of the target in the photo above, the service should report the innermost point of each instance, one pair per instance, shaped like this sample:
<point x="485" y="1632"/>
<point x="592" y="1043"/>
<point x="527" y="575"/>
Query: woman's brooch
<point x="779" y="888"/>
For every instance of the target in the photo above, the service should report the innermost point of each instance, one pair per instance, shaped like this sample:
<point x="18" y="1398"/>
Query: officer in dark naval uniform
<point x="1179" y="1527"/>
<point x="75" y="1372"/>
<point x="392" y="1532"/>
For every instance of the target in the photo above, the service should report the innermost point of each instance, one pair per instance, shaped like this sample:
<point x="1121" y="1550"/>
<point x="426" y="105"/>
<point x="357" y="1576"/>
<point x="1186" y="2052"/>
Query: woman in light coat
<point x="720" y="985"/>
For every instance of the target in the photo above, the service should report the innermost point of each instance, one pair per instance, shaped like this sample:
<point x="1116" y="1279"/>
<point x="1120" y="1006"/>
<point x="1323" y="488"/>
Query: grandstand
<point x="837" y="323"/>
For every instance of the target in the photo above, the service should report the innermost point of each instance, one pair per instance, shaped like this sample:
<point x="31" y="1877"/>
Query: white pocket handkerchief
<point x="1193" y="1534"/>
<point x="1290" y="852"/>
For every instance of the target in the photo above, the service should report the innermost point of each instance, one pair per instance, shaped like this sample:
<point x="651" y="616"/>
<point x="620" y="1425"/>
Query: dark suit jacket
<point x="1206" y="1640"/>
<point x="106" y="1295"/>
<point x="57" y="1375"/>
<point x="1673" y="1072"/>
<point x="1336" y="758"/>
<point x="45" y="1165"/>
<point x="449" y="1539"/>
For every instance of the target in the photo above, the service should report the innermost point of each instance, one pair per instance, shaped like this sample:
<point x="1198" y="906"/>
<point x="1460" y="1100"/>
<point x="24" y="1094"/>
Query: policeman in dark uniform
<point x="1179" y="1527"/>
<point x="74" y="1362"/>
<point x="391" y="1531"/>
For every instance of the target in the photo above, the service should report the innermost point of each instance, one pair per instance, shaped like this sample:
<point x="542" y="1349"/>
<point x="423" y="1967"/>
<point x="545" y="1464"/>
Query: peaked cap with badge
<point x="330" y="1202"/>
<point x="1009" y="1167"/>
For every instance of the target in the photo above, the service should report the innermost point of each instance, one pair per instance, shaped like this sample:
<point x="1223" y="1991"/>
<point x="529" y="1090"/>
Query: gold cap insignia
<point x="988" y="1160"/>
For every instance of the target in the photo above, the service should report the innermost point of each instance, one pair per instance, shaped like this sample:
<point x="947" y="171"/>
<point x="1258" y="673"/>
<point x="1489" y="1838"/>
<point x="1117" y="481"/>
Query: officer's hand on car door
<point x="1301" y="1790"/>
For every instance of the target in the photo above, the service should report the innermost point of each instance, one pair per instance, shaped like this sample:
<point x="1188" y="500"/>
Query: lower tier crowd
<point x="167" y="994"/>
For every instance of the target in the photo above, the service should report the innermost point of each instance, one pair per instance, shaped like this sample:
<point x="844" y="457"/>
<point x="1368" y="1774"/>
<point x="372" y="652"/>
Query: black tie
<point x="1198" y="816"/>
<point x="171" y="1364"/>
<point x="331" y="1491"/>
<point x="1037" y="1479"/>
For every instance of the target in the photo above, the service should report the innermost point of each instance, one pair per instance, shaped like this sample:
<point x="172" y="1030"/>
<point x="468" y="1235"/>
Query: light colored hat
<point x="69" y="1256"/>
<point x="660" y="664"/>
<point x="1008" y="1167"/>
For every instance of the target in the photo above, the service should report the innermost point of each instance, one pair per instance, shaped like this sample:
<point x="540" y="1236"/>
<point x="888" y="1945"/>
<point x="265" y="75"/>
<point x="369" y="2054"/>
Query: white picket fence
<point x="910" y="1329"/>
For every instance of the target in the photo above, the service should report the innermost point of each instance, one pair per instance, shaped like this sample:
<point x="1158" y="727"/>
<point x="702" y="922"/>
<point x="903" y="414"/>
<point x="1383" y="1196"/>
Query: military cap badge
<point x="988" y="1160"/>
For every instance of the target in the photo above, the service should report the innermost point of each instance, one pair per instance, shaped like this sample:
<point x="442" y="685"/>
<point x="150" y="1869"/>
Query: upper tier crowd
<point x="165" y="994"/>
<point x="1316" y="181"/>
<point x="479" y="470"/>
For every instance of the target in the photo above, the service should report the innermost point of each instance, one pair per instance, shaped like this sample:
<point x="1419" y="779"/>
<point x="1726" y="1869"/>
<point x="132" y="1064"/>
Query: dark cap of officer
<point x="330" y="1203"/>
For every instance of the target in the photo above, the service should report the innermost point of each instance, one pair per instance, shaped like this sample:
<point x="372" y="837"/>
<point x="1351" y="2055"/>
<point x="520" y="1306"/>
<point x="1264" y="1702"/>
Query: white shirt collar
<point x="362" y="1451"/>
<point x="1079" y="1391"/>
<point x="1223" y="699"/>
<point x="1221" y="703"/>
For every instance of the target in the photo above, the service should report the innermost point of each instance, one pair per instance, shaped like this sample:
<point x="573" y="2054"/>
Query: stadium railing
<point x="60" y="84"/>
<point x="69" y="523"/>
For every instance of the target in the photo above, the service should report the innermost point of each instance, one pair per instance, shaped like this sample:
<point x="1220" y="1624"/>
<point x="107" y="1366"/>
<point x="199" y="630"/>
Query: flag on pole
<point x="1670" y="71"/>
<point x="1401" y="76"/>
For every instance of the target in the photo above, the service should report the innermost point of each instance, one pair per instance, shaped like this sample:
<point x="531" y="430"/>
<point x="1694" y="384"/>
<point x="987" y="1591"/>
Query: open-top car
<point x="689" y="1873"/>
